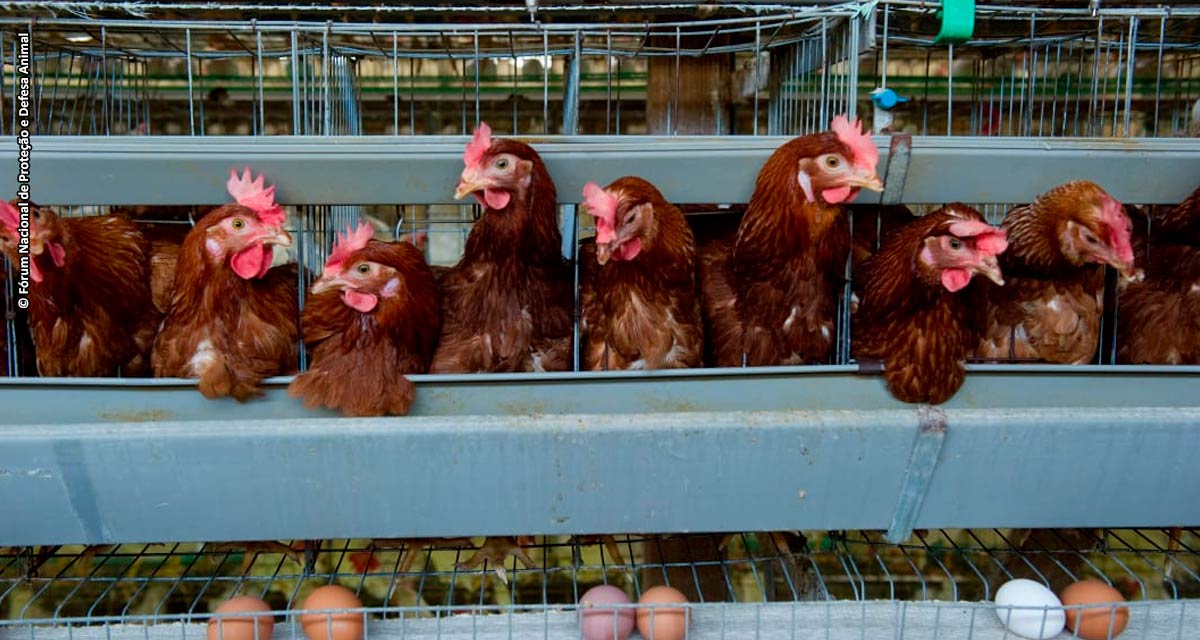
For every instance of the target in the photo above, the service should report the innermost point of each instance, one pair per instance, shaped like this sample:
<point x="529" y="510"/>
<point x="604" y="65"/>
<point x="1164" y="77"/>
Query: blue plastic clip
<point x="887" y="99"/>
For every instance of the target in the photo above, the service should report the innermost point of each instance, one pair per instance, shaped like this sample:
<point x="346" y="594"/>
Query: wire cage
<point x="847" y="584"/>
<point x="189" y="74"/>
<point x="771" y="69"/>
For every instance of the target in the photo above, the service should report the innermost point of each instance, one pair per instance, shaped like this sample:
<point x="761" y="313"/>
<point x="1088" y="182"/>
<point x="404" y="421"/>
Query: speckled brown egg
<point x="235" y="627"/>
<point x="1094" y="623"/>
<point x="670" y="623"/>
<point x="332" y="625"/>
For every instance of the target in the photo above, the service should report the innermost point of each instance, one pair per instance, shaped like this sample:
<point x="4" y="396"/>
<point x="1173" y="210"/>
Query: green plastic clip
<point x="958" y="21"/>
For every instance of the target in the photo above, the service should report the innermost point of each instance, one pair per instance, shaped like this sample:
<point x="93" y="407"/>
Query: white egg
<point x="1036" y="612"/>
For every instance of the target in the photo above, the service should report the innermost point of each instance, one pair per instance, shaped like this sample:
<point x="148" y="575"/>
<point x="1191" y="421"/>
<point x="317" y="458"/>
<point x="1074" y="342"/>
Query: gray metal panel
<point x="404" y="170"/>
<point x="697" y="451"/>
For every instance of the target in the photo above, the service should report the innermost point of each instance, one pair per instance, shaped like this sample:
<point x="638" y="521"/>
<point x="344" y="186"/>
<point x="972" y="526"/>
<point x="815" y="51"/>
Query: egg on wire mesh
<point x="1029" y="609"/>
<point x="326" y="618"/>
<point x="227" y="625"/>
<point x="600" y="622"/>
<point x="1092" y="610"/>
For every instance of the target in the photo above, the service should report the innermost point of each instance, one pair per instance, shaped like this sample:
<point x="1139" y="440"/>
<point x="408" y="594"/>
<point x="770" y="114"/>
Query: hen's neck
<point x="777" y="227"/>
<point x="1034" y="249"/>
<point x="524" y="231"/>
<point x="201" y="284"/>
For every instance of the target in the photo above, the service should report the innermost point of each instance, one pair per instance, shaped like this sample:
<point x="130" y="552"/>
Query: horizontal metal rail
<point x="82" y="462"/>
<point x="423" y="170"/>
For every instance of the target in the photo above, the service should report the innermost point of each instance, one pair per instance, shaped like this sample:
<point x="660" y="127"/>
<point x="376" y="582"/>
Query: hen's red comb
<point x="252" y="195"/>
<point x="866" y="154"/>
<point x="478" y="146"/>
<point x="9" y="216"/>
<point x="1119" y="228"/>
<point x="988" y="239"/>
<point x="603" y="206"/>
<point x="346" y="244"/>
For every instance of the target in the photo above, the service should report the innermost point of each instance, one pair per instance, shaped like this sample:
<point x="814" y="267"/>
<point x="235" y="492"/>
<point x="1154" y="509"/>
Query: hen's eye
<point x="629" y="218"/>
<point x="364" y="268"/>
<point x="1089" y="237"/>
<point x="955" y="244"/>
<point x="238" y="223"/>
<point x="502" y="164"/>
<point x="832" y="161"/>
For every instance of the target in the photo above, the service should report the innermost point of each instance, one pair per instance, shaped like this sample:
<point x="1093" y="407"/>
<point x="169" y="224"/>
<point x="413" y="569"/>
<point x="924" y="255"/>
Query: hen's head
<point x="365" y="270"/>
<point x="45" y="233"/>
<point x="625" y="218"/>
<point x="959" y="245"/>
<point x="496" y="170"/>
<point x="1091" y="225"/>
<point x="245" y="234"/>
<point x="828" y="167"/>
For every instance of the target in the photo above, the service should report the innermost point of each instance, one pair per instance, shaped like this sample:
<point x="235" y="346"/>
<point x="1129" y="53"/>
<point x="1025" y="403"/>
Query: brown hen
<point x="232" y="319"/>
<point x="373" y="317"/>
<point x="1050" y="307"/>
<point x="508" y="302"/>
<point x="912" y="312"/>
<point x="638" y="292"/>
<point x="770" y="292"/>
<point x="90" y="308"/>
<point x="1159" y="316"/>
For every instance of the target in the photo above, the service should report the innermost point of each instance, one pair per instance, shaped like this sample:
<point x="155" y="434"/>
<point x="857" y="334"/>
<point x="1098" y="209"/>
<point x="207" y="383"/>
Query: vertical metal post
<point x="852" y="63"/>
<point x="757" y="66"/>
<point x="673" y="104"/>
<point x="824" y="122"/>
<point x="1031" y="73"/>
<point x="258" y="46"/>
<point x="104" y="71"/>
<point x="887" y="11"/>
<point x="327" y="116"/>
<point x="950" y="90"/>
<point x="478" y="62"/>
<point x="571" y="88"/>
<point x="1129" y="69"/>
<point x="395" y="88"/>
<point x="294" y="63"/>
<point x="1162" y="36"/>
<point x="608" y="58"/>
<point x="546" y="64"/>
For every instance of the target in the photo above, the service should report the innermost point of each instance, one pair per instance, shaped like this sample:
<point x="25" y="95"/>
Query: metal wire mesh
<point x="780" y="70"/>
<point x="158" y="584"/>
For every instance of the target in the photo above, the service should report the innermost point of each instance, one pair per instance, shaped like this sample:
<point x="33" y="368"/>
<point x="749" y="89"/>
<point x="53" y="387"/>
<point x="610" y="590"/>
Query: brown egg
<point x="228" y="627"/>
<point x="332" y="625"/>
<point x="1094" y="623"/>
<point x="670" y="623"/>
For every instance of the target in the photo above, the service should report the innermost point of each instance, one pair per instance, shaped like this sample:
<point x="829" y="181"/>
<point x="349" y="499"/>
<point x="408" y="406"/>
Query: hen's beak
<point x="865" y="179"/>
<point x="279" y="237"/>
<point x="603" y="253"/>
<point x="990" y="268"/>
<point x="469" y="183"/>
<point x="326" y="283"/>
<point x="1127" y="269"/>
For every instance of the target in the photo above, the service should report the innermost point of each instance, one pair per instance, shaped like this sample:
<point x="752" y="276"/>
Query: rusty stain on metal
<point x="146" y="415"/>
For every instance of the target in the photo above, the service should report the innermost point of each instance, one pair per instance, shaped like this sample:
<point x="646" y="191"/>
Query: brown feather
<point x="508" y="302"/>
<point x="644" y="312"/>
<point x="906" y="318"/>
<point x="770" y="293"/>
<point x="359" y="360"/>
<point x="249" y="328"/>
<point x="1049" y="308"/>
<point x="163" y="256"/>
<point x="1159" y="317"/>
<point x="94" y="315"/>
